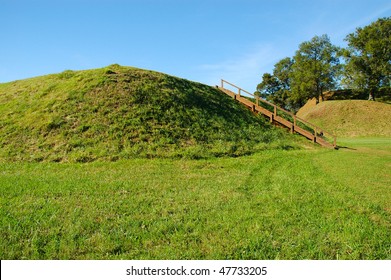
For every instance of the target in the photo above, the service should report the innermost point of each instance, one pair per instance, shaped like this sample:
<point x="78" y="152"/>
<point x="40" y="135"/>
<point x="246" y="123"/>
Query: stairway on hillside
<point x="279" y="116"/>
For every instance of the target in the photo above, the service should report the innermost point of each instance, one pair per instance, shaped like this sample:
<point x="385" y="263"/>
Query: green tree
<point x="368" y="57"/>
<point x="316" y="69"/>
<point x="276" y="87"/>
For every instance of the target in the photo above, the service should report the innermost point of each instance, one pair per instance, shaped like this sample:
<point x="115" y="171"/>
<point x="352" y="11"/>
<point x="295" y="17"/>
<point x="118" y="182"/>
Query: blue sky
<point x="203" y="41"/>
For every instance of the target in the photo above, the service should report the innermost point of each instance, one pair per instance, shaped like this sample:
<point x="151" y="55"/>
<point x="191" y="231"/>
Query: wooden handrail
<point x="275" y="107"/>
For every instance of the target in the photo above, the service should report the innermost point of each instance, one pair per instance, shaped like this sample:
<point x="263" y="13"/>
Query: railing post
<point x="335" y="142"/>
<point x="239" y="91"/>
<point x="315" y="135"/>
<point x="275" y="110"/>
<point x="222" y="83"/>
<point x="293" y="124"/>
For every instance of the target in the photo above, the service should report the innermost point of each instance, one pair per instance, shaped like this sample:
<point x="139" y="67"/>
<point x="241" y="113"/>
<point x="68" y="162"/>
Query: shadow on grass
<point x="344" y="147"/>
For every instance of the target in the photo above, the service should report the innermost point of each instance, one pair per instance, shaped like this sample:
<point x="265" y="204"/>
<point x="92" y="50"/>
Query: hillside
<point x="350" y="118"/>
<point x="123" y="112"/>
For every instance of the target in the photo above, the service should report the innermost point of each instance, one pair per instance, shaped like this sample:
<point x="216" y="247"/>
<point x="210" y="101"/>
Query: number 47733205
<point x="239" y="270"/>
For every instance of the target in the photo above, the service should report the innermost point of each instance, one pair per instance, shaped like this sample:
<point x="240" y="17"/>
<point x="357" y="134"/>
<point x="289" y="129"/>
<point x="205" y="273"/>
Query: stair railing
<point x="315" y="130"/>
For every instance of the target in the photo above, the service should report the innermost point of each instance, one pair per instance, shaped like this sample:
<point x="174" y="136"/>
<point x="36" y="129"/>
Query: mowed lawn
<point x="307" y="204"/>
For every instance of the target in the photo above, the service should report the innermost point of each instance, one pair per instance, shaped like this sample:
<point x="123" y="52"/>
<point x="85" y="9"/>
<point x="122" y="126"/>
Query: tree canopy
<point x="276" y="86"/>
<point x="368" y="56"/>
<point x="315" y="70"/>
<point x="316" y="67"/>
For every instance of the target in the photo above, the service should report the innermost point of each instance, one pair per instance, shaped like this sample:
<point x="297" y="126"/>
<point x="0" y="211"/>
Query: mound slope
<point x="123" y="112"/>
<point x="350" y="118"/>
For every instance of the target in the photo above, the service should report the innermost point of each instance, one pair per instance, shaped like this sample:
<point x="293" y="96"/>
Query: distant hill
<point x="123" y="112"/>
<point x="350" y="118"/>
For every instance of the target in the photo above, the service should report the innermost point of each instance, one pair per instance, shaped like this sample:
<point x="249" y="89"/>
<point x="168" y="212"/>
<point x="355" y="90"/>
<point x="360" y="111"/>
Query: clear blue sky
<point x="200" y="40"/>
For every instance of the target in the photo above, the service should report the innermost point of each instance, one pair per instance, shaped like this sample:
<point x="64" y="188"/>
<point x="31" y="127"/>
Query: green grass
<point x="124" y="163"/>
<point x="119" y="112"/>
<point x="275" y="204"/>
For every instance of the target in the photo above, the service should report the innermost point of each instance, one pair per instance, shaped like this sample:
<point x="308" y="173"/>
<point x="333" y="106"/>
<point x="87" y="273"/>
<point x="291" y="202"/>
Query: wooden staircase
<point x="279" y="116"/>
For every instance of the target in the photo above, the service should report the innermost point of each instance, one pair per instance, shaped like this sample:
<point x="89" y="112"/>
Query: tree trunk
<point x="321" y="96"/>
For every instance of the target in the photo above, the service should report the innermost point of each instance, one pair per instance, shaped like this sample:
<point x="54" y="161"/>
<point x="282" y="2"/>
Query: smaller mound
<point x="350" y="118"/>
<point x="123" y="112"/>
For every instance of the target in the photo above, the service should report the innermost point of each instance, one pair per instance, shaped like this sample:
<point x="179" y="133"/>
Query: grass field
<point x="276" y="204"/>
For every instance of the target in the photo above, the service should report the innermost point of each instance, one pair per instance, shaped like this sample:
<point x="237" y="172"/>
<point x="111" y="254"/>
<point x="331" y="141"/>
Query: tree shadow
<point x="346" y="148"/>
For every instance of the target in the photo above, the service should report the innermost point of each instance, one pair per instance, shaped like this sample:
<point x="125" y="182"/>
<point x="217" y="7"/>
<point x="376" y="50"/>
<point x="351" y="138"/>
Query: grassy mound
<point x="350" y="118"/>
<point x="122" y="112"/>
